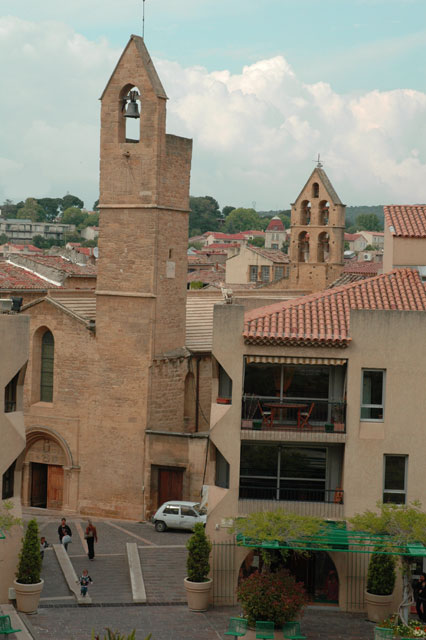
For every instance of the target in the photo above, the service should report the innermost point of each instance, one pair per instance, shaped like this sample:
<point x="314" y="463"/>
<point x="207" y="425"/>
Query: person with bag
<point x="91" y="537"/>
<point x="64" y="533"/>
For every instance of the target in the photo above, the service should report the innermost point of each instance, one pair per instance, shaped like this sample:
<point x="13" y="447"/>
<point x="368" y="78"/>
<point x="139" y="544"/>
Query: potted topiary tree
<point x="197" y="584"/>
<point x="380" y="585"/>
<point x="28" y="584"/>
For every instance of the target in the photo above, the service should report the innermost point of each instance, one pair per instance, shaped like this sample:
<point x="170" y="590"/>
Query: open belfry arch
<point x="317" y="234"/>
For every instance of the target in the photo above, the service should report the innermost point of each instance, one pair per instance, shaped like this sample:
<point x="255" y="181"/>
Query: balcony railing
<point x="319" y="503"/>
<point x="261" y="412"/>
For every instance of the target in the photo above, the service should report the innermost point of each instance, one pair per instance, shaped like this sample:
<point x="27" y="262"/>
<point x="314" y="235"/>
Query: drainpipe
<point x="197" y="394"/>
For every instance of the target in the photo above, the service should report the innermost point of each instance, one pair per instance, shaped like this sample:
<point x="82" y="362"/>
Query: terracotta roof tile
<point x="14" y="277"/>
<point x="367" y="267"/>
<point x="322" y="319"/>
<point x="407" y="221"/>
<point x="275" y="255"/>
<point x="60" y="263"/>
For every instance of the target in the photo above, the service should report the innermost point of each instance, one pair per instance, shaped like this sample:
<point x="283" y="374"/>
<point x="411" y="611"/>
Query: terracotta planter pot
<point x="223" y="400"/>
<point x="28" y="596"/>
<point x="197" y="594"/>
<point x="378" y="607"/>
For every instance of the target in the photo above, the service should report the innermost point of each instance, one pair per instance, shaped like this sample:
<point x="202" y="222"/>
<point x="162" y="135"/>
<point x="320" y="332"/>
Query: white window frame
<point x="395" y="491"/>
<point x="373" y="406"/>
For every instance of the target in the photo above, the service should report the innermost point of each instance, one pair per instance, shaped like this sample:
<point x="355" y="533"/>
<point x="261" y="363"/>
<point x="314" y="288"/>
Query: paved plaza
<point x="165" y="614"/>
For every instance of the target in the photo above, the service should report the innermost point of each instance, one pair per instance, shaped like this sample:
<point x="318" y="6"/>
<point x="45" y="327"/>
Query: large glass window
<point x="268" y="472"/>
<point x="46" y="373"/>
<point x="395" y="479"/>
<point x="253" y="273"/>
<point x="291" y="381"/>
<point x="265" y="273"/>
<point x="372" y="394"/>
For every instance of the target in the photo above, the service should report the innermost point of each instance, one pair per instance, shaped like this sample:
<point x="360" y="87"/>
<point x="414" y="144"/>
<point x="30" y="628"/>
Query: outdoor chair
<point x="6" y="627"/>
<point x="266" y="416"/>
<point x="237" y="627"/>
<point x="264" y="630"/>
<point x="380" y="633"/>
<point x="305" y="415"/>
<point x="292" y="630"/>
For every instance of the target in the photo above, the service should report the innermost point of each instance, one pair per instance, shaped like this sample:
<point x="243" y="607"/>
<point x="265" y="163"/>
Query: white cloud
<point x="256" y="134"/>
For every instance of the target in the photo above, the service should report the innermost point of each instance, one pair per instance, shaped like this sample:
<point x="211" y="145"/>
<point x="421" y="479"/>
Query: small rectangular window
<point x="372" y="394"/>
<point x="264" y="274"/>
<point x="8" y="482"/>
<point x="395" y="479"/>
<point x="278" y="273"/>
<point x="253" y="273"/>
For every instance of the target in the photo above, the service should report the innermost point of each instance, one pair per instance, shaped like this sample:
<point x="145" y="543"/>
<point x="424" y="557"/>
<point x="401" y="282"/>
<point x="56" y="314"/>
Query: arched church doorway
<point x="44" y="477"/>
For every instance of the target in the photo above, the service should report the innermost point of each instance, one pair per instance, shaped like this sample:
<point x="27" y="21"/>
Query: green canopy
<point x="334" y="536"/>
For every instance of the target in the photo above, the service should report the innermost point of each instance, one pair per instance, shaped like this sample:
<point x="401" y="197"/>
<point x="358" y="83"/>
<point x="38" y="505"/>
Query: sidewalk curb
<point x="26" y="633"/>
<point x="135" y="570"/>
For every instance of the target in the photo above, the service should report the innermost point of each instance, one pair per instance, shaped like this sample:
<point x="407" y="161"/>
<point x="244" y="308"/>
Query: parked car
<point x="176" y="514"/>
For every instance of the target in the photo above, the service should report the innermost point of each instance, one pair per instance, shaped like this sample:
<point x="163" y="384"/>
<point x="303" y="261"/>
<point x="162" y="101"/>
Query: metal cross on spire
<point x="318" y="161"/>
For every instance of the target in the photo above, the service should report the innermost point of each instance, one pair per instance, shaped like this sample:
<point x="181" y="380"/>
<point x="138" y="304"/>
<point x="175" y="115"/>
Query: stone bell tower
<point x="142" y="266"/>
<point x="317" y="234"/>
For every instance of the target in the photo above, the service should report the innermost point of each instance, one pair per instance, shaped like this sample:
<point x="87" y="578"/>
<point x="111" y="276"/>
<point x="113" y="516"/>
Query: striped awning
<point x="295" y="360"/>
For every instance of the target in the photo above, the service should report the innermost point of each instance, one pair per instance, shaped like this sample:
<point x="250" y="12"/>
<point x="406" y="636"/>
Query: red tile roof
<point x="218" y="245"/>
<point x="253" y="232"/>
<point x="275" y="255"/>
<point x="322" y="319"/>
<point x="60" y="263"/>
<point x="14" y="277"/>
<point x="407" y="221"/>
<point x="218" y="235"/>
<point x="351" y="237"/>
<point x="276" y="224"/>
<point x="368" y="267"/>
<point x="207" y="276"/>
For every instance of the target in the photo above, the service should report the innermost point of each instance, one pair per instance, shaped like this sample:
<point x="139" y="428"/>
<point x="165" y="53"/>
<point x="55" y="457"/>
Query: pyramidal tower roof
<point x="148" y="64"/>
<point x="323" y="177"/>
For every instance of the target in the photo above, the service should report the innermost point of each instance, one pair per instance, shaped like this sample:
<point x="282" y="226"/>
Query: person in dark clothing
<point x="64" y="530"/>
<point x="91" y="537"/>
<point x="421" y="598"/>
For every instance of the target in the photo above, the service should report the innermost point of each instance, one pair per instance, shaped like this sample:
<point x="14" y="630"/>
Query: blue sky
<point x="342" y="77"/>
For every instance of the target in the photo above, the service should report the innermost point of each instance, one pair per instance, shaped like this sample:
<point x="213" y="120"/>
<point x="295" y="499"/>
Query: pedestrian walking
<point x="91" y="537"/>
<point x="64" y="533"/>
<point x="84" y="582"/>
<point x="421" y="597"/>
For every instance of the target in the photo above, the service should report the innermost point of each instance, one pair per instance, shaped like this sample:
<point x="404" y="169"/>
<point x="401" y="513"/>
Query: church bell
<point x="132" y="110"/>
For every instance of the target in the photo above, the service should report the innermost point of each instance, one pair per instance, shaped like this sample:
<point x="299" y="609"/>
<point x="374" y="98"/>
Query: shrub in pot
<point x="274" y="597"/>
<point x="28" y="584"/>
<point x="380" y="584"/>
<point x="197" y="583"/>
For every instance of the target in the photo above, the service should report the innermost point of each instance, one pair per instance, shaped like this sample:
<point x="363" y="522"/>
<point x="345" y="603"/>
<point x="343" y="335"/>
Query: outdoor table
<point x="275" y="407"/>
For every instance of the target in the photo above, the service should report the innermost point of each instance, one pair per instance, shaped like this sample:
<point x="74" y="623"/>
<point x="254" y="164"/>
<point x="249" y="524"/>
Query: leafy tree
<point x="195" y="245"/>
<point x="405" y="525"/>
<point x="7" y="519"/>
<point x="96" y="205"/>
<point x="40" y="242"/>
<point x="91" y="220"/>
<point x="8" y="209"/>
<point x="72" y="237"/>
<point x="31" y="211"/>
<point x="346" y="246"/>
<point x="50" y="207"/>
<point x="71" y="201"/>
<point x="204" y="215"/>
<point x="242" y="219"/>
<point x="73" y="215"/>
<point x="368" y="222"/>
<point x="285" y="218"/>
<point x="90" y="243"/>
<point x="369" y="247"/>
<point x="381" y="574"/>
<point x="257" y="242"/>
<point x="227" y="210"/>
<point x="3" y="238"/>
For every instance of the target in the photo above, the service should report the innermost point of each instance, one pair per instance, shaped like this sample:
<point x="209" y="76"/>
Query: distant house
<point x="22" y="231"/>
<point x="275" y="234"/>
<point x="405" y="233"/>
<point x="357" y="241"/>
<point x="9" y="248"/>
<point x="257" y="265"/>
<point x="216" y="237"/>
<point x="89" y="233"/>
<point x="375" y="238"/>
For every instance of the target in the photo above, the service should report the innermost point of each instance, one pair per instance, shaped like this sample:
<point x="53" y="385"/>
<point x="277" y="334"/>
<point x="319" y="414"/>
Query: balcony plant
<point x="197" y="583"/>
<point x="380" y="585"/>
<point x="413" y="629"/>
<point x="28" y="584"/>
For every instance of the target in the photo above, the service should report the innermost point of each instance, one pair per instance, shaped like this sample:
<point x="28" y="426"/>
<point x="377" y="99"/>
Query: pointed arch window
<point x="46" y="369"/>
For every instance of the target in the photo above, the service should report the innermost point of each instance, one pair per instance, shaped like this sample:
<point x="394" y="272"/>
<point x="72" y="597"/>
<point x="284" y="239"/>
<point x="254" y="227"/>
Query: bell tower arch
<point x="317" y="234"/>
